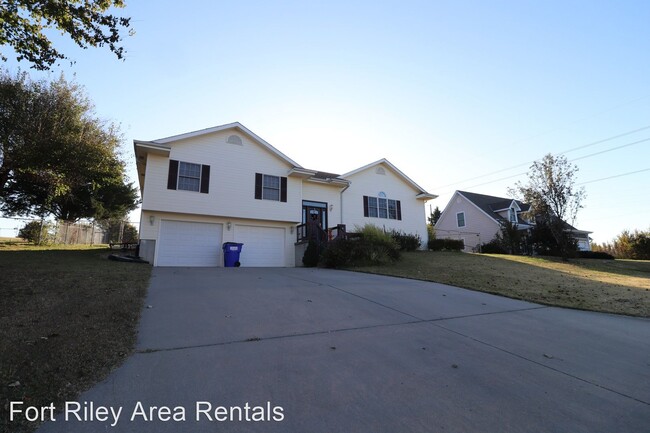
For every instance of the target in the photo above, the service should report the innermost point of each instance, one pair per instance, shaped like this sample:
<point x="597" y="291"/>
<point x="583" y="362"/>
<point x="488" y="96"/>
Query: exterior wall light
<point x="152" y="219"/>
<point x="228" y="225"/>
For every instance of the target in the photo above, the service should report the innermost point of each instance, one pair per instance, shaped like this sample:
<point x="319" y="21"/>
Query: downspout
<point x="341" y="205"/>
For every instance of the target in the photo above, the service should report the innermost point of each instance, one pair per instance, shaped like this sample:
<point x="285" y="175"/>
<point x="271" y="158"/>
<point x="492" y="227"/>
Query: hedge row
<point x="446" y="244"/>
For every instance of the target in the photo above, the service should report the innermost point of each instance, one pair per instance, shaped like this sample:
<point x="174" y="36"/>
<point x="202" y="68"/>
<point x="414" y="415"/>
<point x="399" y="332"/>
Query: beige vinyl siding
<point x="232" y="180"/>
<point x="476" y="221"/>
<point x="368" y="182"/>
<point x="329" y="194"/>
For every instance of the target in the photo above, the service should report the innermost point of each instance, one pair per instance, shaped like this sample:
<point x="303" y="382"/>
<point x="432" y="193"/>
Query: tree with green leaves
<point x="434" y="216"/>
<point x="24" y="25"/>
<point x="554" y="198"/>
<point x="56" y="156"/>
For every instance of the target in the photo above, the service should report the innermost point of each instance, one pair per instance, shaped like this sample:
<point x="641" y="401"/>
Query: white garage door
<point x="183" y="243"/>
<point x="263" y="246"/>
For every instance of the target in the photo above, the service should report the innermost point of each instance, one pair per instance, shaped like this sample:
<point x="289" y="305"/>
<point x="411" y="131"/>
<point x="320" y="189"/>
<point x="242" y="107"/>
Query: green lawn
<point x="620" y="286"/>
<point x="68" y="317"/>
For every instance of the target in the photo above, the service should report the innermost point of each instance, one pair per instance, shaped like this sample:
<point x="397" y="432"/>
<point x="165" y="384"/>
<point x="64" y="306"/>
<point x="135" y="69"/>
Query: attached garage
<point x="184" y="243"/>
<point x="263" y="246"/>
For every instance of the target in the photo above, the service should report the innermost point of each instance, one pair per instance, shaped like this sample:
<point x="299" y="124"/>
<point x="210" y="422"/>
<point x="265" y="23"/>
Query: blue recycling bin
<point x="231" y="252"/>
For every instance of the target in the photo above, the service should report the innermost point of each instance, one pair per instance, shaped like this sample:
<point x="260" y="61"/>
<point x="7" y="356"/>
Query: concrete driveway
<point x="335" y="351"/>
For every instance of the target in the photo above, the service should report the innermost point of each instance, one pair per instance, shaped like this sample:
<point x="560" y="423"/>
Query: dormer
<point x="513" y="212"/>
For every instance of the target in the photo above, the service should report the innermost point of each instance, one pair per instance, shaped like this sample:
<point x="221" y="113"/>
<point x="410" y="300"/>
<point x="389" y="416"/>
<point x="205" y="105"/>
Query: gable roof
<point x="422" y="193"/>
<point x="490" y="205"/>
<point x="162" y="146"/>
<point x="235" y="125"/>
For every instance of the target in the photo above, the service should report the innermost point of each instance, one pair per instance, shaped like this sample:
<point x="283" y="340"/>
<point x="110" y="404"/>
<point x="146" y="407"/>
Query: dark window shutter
<point x="172" y="178"/>
<point x="258" y="186"/>
<point x="283" y="189"/>
<point x="365" y="205"/>
<point x="399" y="209"/>
<point x="205" y="178"/>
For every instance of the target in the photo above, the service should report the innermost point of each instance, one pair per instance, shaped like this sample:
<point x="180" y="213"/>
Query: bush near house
<point x="493" y="247"/>
<point x="406" y="242"/>
<point x="372" y="247"/>
<point x="446" y="244"/>
<point x="311" y="256"/>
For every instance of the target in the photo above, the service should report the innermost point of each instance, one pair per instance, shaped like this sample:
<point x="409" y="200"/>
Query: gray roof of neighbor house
<point x="491" y="204"/>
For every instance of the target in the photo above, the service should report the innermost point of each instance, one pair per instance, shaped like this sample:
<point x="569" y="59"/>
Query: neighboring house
<point x="226" y="184"/>
<point x="477" y="218"/>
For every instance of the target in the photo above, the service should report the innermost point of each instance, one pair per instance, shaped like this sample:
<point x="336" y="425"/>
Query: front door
<point x="314" y="212"/>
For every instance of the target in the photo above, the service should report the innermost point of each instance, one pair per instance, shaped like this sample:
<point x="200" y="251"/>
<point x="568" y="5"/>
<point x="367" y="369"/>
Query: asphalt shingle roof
<point x="490" y="204"/>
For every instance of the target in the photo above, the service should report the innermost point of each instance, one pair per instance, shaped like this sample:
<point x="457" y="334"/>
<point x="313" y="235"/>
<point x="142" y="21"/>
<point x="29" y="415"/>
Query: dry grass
<point x="68" y="317"/>
<point x="620" y="286"/>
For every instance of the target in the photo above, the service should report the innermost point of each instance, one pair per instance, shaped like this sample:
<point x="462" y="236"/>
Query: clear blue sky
<point x="447" y="91"/>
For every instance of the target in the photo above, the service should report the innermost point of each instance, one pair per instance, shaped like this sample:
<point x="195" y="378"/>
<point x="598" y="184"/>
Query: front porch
<point x="312" y="231"/>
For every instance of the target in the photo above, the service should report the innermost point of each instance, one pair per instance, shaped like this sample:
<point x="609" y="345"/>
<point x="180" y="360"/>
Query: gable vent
<point x="234" y="139"/>
<point x="380" y="170"/>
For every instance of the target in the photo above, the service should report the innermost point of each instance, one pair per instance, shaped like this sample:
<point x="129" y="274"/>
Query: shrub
<point x="30" y="232"/>
<point x="595" y="255"/>
<point x="446" y="244"/>
<point x="406" y="242"/>
<point x="431" y="232"/>
<point x="311" y="256"/>
<point x="493" y="247"/>
<point x="338" y="253"/>
<point x="435" y="244"/>
<point x="372" y="247"/>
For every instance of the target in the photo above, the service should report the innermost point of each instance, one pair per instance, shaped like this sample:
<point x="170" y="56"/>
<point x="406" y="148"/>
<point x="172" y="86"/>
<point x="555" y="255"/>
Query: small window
<point x="234" y="139"/>
<point x="512" y="213"/>
<point x="271" y="188"/>
<point x="460" y="219"/>
<point x="189" y="176"/>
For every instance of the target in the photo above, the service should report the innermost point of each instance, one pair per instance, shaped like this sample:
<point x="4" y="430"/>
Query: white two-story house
<point x="226" y="184"/>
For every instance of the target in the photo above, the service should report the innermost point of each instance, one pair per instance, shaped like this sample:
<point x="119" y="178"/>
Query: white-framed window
<point x="392" y="209"/>
<point x="270" y="187"/>
<point x="189" y="176"/>
<point x="373" y="208"/>
<point x="382" y="207"/>
<point x="460" y="219"/>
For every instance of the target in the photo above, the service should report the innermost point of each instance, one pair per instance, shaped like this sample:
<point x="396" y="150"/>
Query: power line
<point x="560" y="153"/>
<point x="615" y="176"/>
<point x="606" y="139"/>
<point x="575" y="159"/>
<point x="610" y="149"/>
